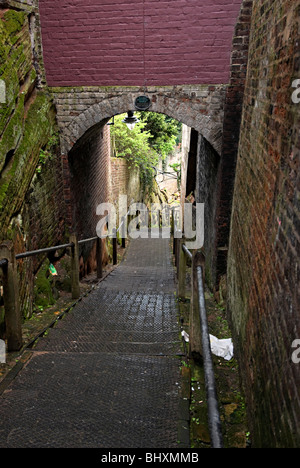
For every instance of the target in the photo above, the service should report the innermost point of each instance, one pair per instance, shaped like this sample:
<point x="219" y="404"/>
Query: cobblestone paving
<point x="108" y="374"/>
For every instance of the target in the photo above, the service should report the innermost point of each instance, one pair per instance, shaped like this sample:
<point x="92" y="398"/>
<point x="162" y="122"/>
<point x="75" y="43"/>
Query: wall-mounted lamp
<point x="130" y="120"/>
<point x="112" y="122"/>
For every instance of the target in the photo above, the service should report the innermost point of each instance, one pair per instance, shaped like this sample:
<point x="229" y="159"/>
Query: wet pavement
<point x="108" y="374"/>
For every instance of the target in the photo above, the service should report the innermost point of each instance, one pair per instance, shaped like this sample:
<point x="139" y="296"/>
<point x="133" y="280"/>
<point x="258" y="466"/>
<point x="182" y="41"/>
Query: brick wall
<point x="206" y="192"/>
<point x="119" y="178"/>
<point x="140" y="42"/>
<point x="124" y="180"/>
<point x="231" y="133"/>
<point x="92" y="177"/>
<point x="86" y="185"/>
<point x="263" y="270"/>
<point x="89" y="179"/>
<point x="41" y="223"/>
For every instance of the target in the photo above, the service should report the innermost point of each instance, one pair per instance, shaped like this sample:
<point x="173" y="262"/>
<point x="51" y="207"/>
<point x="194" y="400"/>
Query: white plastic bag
<point x="221" y="348"/>
<point x="185" y="336"/>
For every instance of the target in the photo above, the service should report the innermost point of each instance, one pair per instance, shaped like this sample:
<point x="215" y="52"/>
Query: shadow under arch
<point x="199" y="107"/>
<point x="90" y="178"/>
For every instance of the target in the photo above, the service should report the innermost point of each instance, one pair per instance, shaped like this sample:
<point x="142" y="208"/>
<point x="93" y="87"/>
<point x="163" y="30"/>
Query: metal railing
<point x="199" y="337"/>
<point x="199" y="341"/>
<point x="34" y="253"/>
<point x="8" y="266"/>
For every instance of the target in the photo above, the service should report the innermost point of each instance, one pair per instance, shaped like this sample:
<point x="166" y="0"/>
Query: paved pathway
<point x="108" y="375"/>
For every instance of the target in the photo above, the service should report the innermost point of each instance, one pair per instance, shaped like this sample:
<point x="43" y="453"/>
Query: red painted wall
<point x="137" y="42"/>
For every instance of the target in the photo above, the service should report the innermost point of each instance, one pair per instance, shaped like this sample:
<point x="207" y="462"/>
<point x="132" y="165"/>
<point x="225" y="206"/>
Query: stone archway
<point x="199" y="107"/>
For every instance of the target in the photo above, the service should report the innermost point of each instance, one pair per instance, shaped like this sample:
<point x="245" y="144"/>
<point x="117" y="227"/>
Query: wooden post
<point x="75" y="267"/>
<point x="99" y="256"/>
<point x="173" y="231"/>
<point x="181" y="270"/>
<point x="13" y="318"/>
<point x="178" y="237"/>
<point x="195" y="326"/>
<point x="123" y="231"/>
<point x="115" y="248"/>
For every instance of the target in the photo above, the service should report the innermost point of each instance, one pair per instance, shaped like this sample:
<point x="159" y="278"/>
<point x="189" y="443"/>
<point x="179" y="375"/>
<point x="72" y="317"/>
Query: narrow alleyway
<point x="108" y="375"/>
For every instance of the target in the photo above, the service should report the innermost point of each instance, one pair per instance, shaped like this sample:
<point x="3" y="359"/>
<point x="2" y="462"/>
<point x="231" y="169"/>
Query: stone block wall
<point x="124" y="180"/>
<point x="31" y="199"/>
<point x="198" y="106"/>
<point x="264" y="270"/>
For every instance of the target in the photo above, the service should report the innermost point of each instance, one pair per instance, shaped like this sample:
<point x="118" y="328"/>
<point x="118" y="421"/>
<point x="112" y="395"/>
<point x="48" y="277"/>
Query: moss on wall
<point x="30" y="178"/>
<point x="43" y="296"/>
<point x="27" y="119"/>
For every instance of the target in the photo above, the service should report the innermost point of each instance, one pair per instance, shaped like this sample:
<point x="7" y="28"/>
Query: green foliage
<point x="134" y="146"/>
<point x="164" y="132"/>
<point x="177" y="168"/>
<point x="152" y="140"/>
<point x="43" y="296"/>
<point x="46" y="153"/>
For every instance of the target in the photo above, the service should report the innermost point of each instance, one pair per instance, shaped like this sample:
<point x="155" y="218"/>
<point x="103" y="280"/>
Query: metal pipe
<point x="210" y="384"/>
<point x="85" y="241"/>
<point x="187" y="252"/>
<point x="52" y="249"/>
<point x="42" y="251"/>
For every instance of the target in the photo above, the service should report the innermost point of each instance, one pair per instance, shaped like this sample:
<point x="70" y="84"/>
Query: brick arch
<point x="199" y="107"/>
<point x="214" y="111"/>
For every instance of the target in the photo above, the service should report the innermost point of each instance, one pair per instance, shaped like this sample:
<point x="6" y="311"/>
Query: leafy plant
<point x="47" y="152"/>
<point x="177" y="168"/>
<point x="152" y="140"/>
<point x="134" y="146"/>
<point x="164" y="132"/>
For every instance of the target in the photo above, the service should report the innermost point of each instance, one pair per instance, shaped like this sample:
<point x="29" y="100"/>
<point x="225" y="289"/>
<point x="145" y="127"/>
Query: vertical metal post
<point x="99" y="255"/>
<point x="210" y="384"/>
<point x="13" y="318"/>
<point x="75" y="267"/>
<point x="195" y="329"/>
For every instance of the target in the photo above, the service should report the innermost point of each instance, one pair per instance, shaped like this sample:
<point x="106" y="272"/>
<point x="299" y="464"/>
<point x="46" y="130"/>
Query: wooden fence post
<point x="178" y="237"/>
<point x="181" y="270"/>
<point x="195" y="326"/>
<point x="13" y="318"/>
<point x="99" y="255"/>
<point x="115" y="247"/>
<point x="123" y="231"/>
<point x="75" y="267"/>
